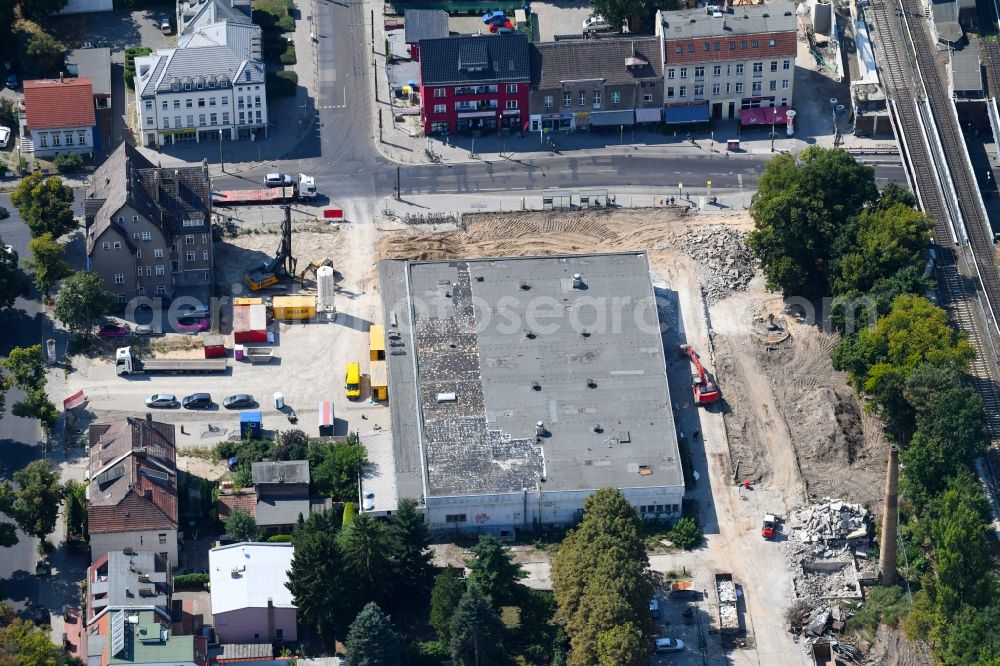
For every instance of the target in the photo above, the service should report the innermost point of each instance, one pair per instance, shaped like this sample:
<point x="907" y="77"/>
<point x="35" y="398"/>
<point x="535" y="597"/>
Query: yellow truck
<point x="352" y="380"/>
<point x="378" y="373"/>
<point x="294" y="307"/>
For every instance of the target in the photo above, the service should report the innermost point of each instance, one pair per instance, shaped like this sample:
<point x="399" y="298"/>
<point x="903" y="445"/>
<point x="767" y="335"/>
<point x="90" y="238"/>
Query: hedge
<point x="193" y="581"/>
<point x="280" y="538"/>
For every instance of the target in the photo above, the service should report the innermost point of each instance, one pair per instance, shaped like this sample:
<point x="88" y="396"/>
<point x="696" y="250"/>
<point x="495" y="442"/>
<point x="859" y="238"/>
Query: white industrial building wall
<point x="519" y="510"/>
<point x="87" y="6"/>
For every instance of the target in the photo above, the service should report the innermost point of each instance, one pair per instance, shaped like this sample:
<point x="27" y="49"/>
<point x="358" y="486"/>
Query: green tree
<point x="131" y="53"/>
<point x="853" y="310"/>
<point x="241" y="526"/>
<point x="601" y="578"/>
<point x="13" y="283"/>
<point x="409" y="552"/>
<point x="372" y="640"/>
<point x="802" y="205"/>
<point x="323" y="589"/>
<point x="45" y="204"/>
<point x="494" y="572"/>
<point x="879" y="243"/>
<point x="36" y="405"/>
<point x="292" y="445"/>
<point x="686" y="533"/>
<point x="26" y="644"/>
<point x="622" y="645"/>
<point x="364" y="545"/>
<point x="962" y="546"/>
<point x="76" y="509"/>
<point x="915" y="331"/>
<point x="26" y="367"/>
<point x="46" y="264"/>
<point x="34" y="498"/>
<point x="337" y="468"/>
<point x="80" y="300"/>
<point x="45" y="51"/>
<point x="476" y="631"/>
<point x="449" y="588"/>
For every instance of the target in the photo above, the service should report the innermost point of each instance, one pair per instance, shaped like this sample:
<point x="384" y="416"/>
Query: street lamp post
<point x="774" y="117"/>
<point x="222" y="161"/>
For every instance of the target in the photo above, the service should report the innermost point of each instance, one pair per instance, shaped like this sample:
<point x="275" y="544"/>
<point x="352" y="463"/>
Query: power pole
<point x="399" y="192"/>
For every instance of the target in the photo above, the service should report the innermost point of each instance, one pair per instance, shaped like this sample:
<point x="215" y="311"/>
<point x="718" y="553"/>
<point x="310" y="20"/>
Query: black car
<point x="197" y="401"/>
<point x="239" y="401"/>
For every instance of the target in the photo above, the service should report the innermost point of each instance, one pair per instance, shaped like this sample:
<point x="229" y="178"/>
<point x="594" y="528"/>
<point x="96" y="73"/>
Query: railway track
<point x="908" y="88"/>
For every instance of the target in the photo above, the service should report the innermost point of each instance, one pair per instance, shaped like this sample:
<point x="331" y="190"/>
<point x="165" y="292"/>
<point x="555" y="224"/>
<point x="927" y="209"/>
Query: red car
<point x="112" y="331"/>
<point x="506" y="26"/>
<point x="191" y="324"/>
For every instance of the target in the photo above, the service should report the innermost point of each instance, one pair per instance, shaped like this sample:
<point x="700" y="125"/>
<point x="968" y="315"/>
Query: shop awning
<point x="689" y="113"/>
<point x="764" y="116"/>
<point x="606" y="118"/>
<point x="654" y="115"/>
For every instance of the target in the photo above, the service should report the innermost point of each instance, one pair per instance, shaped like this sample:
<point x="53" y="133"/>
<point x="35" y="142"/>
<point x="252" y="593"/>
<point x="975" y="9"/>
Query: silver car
<point x="161" y="401"/>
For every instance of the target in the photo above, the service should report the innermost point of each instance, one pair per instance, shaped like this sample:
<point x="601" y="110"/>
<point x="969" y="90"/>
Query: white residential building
<point x="211" y="87"/>
<point x="251" y="602"/>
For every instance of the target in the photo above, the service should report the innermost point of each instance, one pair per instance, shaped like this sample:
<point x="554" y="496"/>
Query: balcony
<point x="475" y="90"/>
<point x="472" y="107"/>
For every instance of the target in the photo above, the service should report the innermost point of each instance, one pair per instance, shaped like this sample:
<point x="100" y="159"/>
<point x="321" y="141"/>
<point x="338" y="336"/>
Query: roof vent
<point x="598" y="428"/>
<point x="530" y="335"/>
<point x="591" y="384"/>
<point x="584" y="333"/>
<point x="536" y="385"/>
<point x="540" y="430"/>
<point x="578" y="282"/>
<point x="765" y="15"/>
<point x="525" y="286"/>
<point x="446" y="397"/>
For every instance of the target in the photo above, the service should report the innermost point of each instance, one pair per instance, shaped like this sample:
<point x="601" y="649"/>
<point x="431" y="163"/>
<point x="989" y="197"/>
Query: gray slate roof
<point x="166" y="197"/>
<point x="284" y="471"/>
<point x="752" y="20"/>
<point x="475" y="59"/>
<point x="274" y="511"/>
<point x="420" y="24"/>
<point x="214" y="11"/>
<point x="555" y="62"/>
<point x="92" y="63"/>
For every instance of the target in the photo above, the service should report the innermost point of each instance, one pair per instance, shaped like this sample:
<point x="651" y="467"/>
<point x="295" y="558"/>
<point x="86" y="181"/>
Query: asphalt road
<point x="20" y="439"/>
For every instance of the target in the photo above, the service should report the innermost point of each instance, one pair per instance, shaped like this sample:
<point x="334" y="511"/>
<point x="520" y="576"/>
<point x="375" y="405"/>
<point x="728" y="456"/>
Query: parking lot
<point x="311" y="361"/>
<point x="118" y="29"/>
<point x="560" y="17"/>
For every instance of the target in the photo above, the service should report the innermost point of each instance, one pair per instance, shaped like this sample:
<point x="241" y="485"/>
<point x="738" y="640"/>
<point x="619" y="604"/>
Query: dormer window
<point x="175" y="87"/>
<point x="200" y="85"/>
<point x="211" y="84"/>
<point x="246" y="75"/>
<point x="224" y="83"/>
<point x="187" y="86"/>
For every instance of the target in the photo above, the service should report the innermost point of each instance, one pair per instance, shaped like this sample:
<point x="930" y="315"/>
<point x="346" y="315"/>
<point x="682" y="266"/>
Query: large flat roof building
<point x="518" y="389"/>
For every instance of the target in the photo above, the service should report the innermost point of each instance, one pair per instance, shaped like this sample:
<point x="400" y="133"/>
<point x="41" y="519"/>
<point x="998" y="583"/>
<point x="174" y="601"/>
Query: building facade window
<point x="784" y="84"/>
<point x="158" y="252"/>
<point x="756" y="89"/>
<point x="160" y="270"/>
<point x="597" y="99"/>
<point x="647" y="98"/>
<point x="548" y="101"/>
<point x="189" y="240"/>
<point x="699" y="90"/>
<point x="716" y="88"/>
<point x="190" y="255"/>
<point x="616" y="98"/>
<point x="511" y="104"/>
<point x="670" y="73"/>
<point x="147" y="235"/>
<point x="774" y="65"/>
<point x="567" y="99"/>
<point x="440" y="108"/>
<point x="682" y="91"/>
<point x="119" y="278"/>
<point x="684" y="72"/>
<point x="739" y="69"/>
<point x="455" y="518"/>
<point x="699" y="73"/>
<point x="787" y="64"/>
<point x="670" y="91"/>
<point x="512" y="87"/>
<point x="717" y="70"/>
<point x="758" y="69"/>
<point x="439" y="92"/>
<point x="583" y="98"/>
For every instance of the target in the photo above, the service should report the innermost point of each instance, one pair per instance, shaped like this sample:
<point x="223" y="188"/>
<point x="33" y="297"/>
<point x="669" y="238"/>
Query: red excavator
<point x="705" y="390"/>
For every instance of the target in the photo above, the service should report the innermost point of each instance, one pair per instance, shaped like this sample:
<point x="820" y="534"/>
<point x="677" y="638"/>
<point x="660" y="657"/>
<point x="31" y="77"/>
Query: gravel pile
<point x="726" y="263"/>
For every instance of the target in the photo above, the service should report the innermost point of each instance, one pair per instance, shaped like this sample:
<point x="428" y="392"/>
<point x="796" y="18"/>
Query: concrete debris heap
<point x="726" y="263"/>
<point x="834" y="520"/>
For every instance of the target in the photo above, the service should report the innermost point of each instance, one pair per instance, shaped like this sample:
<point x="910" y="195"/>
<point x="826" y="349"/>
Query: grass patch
<point x="274" y="15"/>
<point x="203" y="452"/>
<point x="884" y="605"/>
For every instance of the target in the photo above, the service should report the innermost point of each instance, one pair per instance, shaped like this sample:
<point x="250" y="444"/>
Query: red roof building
<point x="58" y="117"/>
<point x="133" y="488"/>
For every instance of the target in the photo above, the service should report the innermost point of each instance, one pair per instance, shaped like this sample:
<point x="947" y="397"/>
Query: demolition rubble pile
<point x="830" y="522"/>
<point x="725" y="262"/>
<point x="823" y="541"/>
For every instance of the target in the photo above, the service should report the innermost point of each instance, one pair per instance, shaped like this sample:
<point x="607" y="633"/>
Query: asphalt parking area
<point x="560" y="17"/>
<point x="118" y="29"/>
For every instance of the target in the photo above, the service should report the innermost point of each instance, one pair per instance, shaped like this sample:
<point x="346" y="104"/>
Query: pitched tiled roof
<point x="133" y="476"/>
<point x="243" y="499"/>
<point x="420" y="24"/>
<point x="475" y="59"/>
<point x="55" y="104"/>
<point x="615" y="61"/>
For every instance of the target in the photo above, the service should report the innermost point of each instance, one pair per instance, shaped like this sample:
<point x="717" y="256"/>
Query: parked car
<point x="10" y="248"/>
<point x="4" y="136"/>
<point x="239" y="401"/>
<point x="503" y="28"/>
<point x="197" y="401"/>
<point x="191" y="324"/>
<point x="669" y="645"/>
<point x="12" y="81"/>
<point x="143" y="329"/>
<point x="278" y="180"/>
<point x="112" y="331"/>
<point x="492" y="17"/>
<point x="165" y="26"/>
<point x="161" y="401"/>
<point x="594" y="22"/>
<point x="654" y="607"/>
<point x="352" y="380"/>
<point x="188" y="310"/>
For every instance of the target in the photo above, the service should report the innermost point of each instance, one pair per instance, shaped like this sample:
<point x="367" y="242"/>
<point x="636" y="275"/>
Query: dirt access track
<point x="788" y="420"/>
